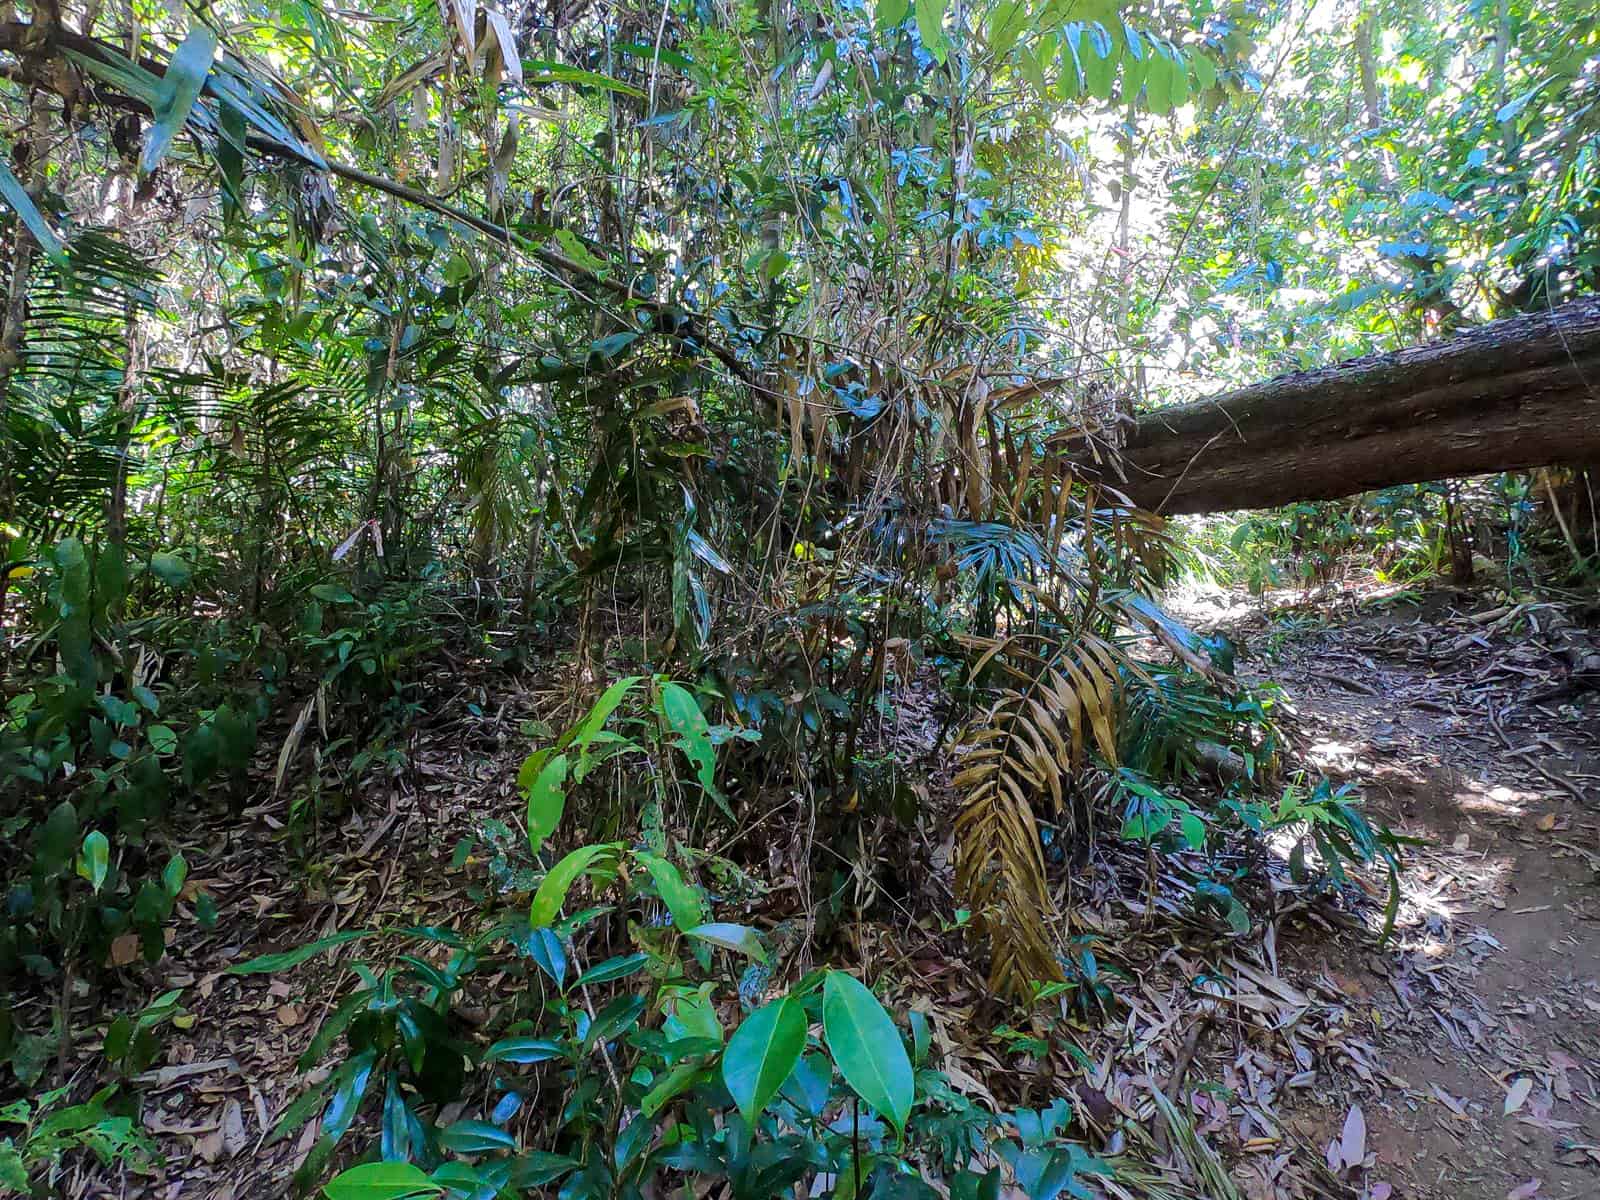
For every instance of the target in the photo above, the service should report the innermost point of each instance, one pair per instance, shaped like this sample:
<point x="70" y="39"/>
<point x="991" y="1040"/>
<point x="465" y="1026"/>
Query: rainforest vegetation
<point x="599" y="598"/>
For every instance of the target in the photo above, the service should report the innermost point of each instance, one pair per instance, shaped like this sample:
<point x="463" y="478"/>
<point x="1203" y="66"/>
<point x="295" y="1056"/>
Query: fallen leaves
<point x="1517" y="1095"/>
<point x="1349" y="1151"/>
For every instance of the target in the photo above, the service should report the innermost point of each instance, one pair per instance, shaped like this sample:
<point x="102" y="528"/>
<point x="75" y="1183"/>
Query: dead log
<point x="1510" y="395"/>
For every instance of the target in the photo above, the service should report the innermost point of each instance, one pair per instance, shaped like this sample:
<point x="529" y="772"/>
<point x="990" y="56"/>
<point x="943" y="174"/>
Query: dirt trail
<point x="1486" y="1011"/>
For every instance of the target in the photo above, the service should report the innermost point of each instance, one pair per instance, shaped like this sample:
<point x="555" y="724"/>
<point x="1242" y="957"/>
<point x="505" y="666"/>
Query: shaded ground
<point x="1486" y="1022"/>
<point x="1488" y="999"/>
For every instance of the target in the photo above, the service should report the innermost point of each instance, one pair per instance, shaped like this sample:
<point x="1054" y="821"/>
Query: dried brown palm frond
<point x="1028" y="745"/>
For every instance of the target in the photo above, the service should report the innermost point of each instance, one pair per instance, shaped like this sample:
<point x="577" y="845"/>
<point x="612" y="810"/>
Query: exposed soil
<point x="1486" y="1018"/>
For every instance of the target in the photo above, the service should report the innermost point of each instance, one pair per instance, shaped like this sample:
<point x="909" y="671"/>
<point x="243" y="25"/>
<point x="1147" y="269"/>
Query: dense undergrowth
<point x="756" y="332"/>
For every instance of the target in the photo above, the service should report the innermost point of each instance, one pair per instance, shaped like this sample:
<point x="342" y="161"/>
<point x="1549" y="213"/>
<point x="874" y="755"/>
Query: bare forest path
<point x="1485" y="1013"/>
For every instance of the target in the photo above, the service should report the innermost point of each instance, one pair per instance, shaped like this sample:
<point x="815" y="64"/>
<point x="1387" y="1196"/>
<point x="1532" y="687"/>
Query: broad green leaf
<point x="22" y="204"/>
<point x="475" y="1137"/>
<point x="619" y="967"/>
<point x="682" y="900"/>
<point x="672" y="1085"/>
<point x="683" y="716"/>
<point x="1099" y="58"/>
<point x="867" y="1047"/>
<point x="574" y="249"/>
<point x="175" y="874"/>
<point x="95" y="859"/>
<point x="180" y="88"/>
<point x="892" y="12"/>
<point x="170" y="569"/>
<point x="1006" y="26"/>
<point x="547" y="799"/>
<point x="597" y="716"/>
<point x="761" y="1053"/>
<point x="348" y="1092"/>
<point x="738" y="938"/>
<point x="1158" y="82"/>
<point x="552" y="893"/>
<point x="523" y="1050"/>
<point x="546" y="950"/>
<point x="930" y="26"/>
<point x="614" y="1020"/>
<point x="1194" y="829"/>
<point x="381" y="1181"/>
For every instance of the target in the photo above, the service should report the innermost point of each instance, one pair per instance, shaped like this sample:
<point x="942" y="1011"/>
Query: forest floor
<point x="1460" y="1060"/>
<point x="1486" y="1014"/>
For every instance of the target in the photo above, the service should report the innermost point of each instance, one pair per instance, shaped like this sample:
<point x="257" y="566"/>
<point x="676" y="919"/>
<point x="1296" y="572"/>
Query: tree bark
<point x="1510" y="395"/>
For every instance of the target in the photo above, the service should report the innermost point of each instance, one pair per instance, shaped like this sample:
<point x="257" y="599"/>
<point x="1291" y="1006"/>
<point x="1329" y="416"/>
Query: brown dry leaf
<point x="1546" y="823"/>
<point x="1353" y="1140"/>
<point x="233" y="1135"/>
<point x="209" y="1147"/>
<point x="1455" y="1105"/>
<point x="1517" y="1095"/>
<point x="124" y="949"/>
<point x="289" y="1015"/>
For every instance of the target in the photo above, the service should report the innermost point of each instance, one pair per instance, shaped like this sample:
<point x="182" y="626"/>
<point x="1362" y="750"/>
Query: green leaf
<point x="1006" y="26"/>
<point x="475" y="1137"/>
<point x="1100" y="70"/>
<point x="614" y="1020"/>
<point x="683" y="716"/>
<point x="672" y="1085"/>
<point x="739" y="938"/>
<point x="535" y="71"/>
<point x="95" y="859"/>
<point x="265" y="964"/>
<point x="930" y="26"/>
<point x="348" y="1091"/>
<point x="552" y="893"/>
<point x="892" y="12"/>
<point x="381" y="1181"/>
<point x="585" y="258"/>
<point x="180" y="88"/>
<point x="175" y="874"/>
<point x="682" y="900"/>
<point x="921" y="1035"/>
<point x="867" y="1047"/>
<point x="597" y="716"/>
<point x="22" y="204"/>
<point x="761" y="1053"/>
<point x="523" y="1051"/>
<point x="547" y="799"/>
<point x="162" y="739"/>
<point x="170" y="569"/>
<point x="619" y="967"/>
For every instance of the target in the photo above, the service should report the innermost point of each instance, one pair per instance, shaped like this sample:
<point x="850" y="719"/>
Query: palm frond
<point x="1028" y="745"/>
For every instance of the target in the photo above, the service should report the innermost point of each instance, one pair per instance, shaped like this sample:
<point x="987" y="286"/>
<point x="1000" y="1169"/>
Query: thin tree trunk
<point x="29" y="157"/>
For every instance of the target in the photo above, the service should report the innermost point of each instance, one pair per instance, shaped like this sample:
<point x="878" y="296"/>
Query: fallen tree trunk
<point x="1510" y="395"/>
